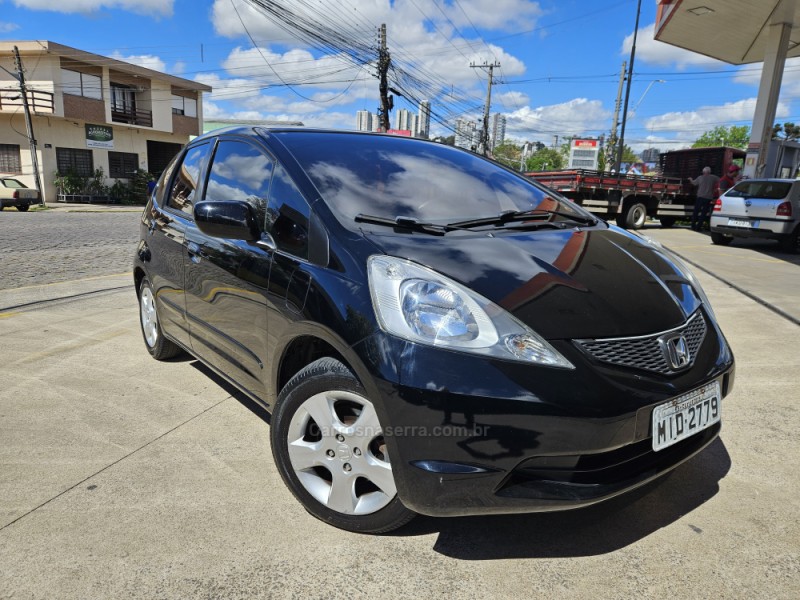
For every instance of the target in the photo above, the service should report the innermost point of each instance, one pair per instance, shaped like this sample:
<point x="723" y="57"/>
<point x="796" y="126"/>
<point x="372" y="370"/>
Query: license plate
<point x="742" y="223"/>
<point x="685" y="415"/>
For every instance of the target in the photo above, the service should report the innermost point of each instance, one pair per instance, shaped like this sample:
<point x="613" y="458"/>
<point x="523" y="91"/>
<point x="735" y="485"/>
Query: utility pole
<point x="20" y="76"/>
<point x="387" y="102"/>
<point x="621" y="148"/>
<point x="611" y="148"/>
<point x="484" y="143"/>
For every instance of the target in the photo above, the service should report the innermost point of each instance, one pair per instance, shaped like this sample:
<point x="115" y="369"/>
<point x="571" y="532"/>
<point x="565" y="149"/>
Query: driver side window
<point x="240" y="171"/>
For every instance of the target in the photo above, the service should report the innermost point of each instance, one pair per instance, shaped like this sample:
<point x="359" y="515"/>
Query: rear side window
<point x="287" y="215"/>
<point x="769" y="190"/>
<point x="187" y="179"/>
<point x="240" y="171"/>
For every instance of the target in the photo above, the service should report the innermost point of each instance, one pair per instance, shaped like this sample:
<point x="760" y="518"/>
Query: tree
<point x="546" y="159"/>
<point x="508" y="154"/>
<point x="786" y="132"/>
<point x="628" y="155"/>
<point x="736" y="136"/>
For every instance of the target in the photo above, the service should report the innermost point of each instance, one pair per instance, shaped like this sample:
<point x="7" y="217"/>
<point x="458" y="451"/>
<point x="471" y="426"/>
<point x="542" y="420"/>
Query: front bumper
<point x="471" y="436"/>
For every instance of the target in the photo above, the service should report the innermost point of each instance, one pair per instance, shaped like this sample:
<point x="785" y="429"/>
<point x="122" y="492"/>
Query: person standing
<point x="729" y="179"/>
<point x="707" y="191"/>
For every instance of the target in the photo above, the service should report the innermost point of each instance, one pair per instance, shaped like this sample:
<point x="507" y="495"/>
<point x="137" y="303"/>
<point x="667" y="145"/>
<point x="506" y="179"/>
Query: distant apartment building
<point x="466" y="134"/>
<point x="402" y="120"/>
<point x="365" y="121"/>
<point x="650" y="155"/>
<point x="90" y="111"/>
<point x="497" y="130"/>
<point x="424" y="127"/>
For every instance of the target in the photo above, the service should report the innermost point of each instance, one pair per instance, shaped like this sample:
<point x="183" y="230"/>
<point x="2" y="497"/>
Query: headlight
<point x="420" y="305"/>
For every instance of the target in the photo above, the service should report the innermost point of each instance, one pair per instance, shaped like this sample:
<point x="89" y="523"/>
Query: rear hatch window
<point x="769" y="190"/>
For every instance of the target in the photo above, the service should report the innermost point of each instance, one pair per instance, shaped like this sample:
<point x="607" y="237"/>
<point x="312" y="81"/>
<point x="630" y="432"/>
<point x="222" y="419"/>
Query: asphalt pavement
<point x="124" y="477"/>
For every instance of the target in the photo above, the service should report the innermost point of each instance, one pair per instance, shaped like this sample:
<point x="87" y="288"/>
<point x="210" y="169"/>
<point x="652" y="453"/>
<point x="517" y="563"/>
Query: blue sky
<point x="560" y="61"/>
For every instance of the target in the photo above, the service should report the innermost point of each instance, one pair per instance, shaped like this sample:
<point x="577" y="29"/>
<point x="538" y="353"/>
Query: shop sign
<point x="99" y="136"/>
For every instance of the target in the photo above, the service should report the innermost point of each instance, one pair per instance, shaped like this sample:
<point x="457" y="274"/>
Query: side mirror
<point x="232" y="220"/>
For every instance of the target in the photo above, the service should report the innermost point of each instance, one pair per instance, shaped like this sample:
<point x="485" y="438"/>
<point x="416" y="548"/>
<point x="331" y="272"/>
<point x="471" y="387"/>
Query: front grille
<point x="648" y="352"/>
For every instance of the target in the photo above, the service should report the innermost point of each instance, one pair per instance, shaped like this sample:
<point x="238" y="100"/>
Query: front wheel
<point x="329" y="447"/>
<point x="720" y="239"/>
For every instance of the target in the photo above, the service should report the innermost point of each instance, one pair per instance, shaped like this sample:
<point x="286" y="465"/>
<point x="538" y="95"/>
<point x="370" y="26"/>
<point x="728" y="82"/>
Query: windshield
<point x="770" y="190"/>
<point x="388" y="177"/>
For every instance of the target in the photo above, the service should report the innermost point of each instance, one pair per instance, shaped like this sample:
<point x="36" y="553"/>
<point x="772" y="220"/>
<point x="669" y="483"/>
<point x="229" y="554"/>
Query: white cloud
<point x="147" y="61"/>
<point x="751" y="75"/>
<point x="651" y="51"/>
<point x="158" y="7"/>
<point x="576" y="117"/>
<point x="8" y="27"/>
<point x="689" y="125"/>
<point x="508" y="101"/>
<point x="228" y="23"/>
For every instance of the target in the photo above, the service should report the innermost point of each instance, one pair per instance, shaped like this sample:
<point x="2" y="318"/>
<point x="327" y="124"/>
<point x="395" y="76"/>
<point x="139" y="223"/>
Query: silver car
<point x="766" y="208"/>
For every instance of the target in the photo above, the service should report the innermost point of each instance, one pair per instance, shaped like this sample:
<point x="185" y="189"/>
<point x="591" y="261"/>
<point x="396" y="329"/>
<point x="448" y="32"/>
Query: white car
<point x="766" y="208"/>
<point x="15" y="193"/>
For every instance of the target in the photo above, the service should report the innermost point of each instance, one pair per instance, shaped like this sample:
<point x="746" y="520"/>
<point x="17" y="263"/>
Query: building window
<point x="184" y="106"/>
<point x="123" y="98"/>
<point x="122" y="164"/>
<point x="9" y="159"/>
<point x="81" y="84"/>
<point x="74" y="160"/>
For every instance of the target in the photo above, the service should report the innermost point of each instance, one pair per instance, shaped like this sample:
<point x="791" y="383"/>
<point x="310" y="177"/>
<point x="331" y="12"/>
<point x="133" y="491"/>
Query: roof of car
<point x="250" y="129"/>
<point x="768" y="179"/>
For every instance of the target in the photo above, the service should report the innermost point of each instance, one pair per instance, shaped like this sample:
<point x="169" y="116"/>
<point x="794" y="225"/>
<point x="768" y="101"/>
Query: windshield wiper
<point x="406" y="223"/>
<point x="511" y="216"/>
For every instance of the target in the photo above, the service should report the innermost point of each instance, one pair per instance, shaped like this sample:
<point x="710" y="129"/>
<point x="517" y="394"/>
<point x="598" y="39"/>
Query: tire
<point x="23" y="207"/>
<point x="329" y="448"/>
<point x="791" y="242"/>
<point x="635" y="216"/>
<point x="720" y="239"/>
<point x="667" y="222"/>
<point x="157" y="345"/>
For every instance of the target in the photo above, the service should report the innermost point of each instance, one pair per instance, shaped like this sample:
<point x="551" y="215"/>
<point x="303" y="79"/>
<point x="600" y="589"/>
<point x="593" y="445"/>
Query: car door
<point x="300" y="242"/>
<point x="166" y="238"/>
<point x="227" y="280"/>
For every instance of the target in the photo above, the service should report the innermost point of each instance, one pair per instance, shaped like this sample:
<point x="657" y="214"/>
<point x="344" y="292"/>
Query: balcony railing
<point x="39" y="101"/>
<point x="132" y="116"/>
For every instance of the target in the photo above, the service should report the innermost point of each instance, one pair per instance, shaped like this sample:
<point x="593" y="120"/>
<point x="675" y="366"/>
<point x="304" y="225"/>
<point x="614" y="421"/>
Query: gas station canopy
<point x="739" y="32"/>
<point x="734" y="31"/>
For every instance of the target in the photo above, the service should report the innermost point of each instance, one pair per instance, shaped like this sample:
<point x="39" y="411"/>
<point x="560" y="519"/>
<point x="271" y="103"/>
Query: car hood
<point x="564" y="284"/>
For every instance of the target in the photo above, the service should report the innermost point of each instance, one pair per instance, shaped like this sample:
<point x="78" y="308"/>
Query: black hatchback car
<point x="431" y="332"/>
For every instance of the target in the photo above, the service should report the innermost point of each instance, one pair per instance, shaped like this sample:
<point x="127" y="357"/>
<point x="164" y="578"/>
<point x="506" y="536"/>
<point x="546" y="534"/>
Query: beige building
<point x="89" y="112"/>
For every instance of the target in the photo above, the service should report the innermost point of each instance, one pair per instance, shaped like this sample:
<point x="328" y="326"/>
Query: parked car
<point x="765" y="208"/>
<point x="15" y="193"/>
<point x="431" y="332"/>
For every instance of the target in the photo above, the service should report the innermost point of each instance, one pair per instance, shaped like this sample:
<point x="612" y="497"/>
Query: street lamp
<point x="647" y="89"/>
